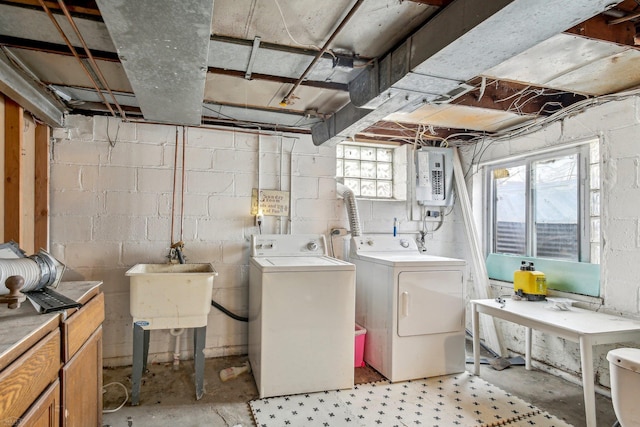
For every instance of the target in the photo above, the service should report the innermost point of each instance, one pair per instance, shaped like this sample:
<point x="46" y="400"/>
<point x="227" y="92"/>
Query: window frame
<point x="399" y="173"/>
<point x="584" y="218"/>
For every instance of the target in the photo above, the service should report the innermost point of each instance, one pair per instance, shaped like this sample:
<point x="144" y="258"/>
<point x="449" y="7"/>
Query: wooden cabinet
<point x="51" y="364"/>
<point x="81" y="387"/>
<point x="45" y="412"/>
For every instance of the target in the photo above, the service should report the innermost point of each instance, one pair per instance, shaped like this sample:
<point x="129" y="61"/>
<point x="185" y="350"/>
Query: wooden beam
<point x="41" y="190"/>
<point x="390" y="131"/>
<point x="599" y="28"/>
<point x="516" y="97"/>
<point x="86" y="9"/>
<point x="13" y="145"/>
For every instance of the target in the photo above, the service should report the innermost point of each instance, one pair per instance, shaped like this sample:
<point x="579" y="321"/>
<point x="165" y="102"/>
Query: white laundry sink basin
<point x="165" y="296"/>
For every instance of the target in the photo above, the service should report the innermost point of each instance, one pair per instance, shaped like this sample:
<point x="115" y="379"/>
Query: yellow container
<point x="529" y="283"/>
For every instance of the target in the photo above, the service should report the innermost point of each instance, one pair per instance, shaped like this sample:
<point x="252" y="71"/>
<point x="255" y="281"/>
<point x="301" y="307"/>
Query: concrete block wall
<point x="111" y="205"/>
<point x="617" y="125"/>
<point x="111" y="208"/>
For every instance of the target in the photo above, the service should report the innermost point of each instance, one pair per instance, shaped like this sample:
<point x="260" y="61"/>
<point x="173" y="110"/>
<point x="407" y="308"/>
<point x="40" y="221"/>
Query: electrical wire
<point x="286" y="28"/>
<point x="113" y="142"/>
<point x="126" y="397"/>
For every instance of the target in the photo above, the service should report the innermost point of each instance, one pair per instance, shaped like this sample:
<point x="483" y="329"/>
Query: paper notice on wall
<point x="270" y="202"/>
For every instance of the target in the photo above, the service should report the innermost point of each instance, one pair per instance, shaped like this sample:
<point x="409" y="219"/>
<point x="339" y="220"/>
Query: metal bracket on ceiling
<point x="252" y="57"/>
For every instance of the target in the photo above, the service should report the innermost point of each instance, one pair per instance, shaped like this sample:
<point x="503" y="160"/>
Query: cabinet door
<point x="24" y="380"/>
<point x="82" y="385"/>
<point x="430" y="302"/>
<point x="45" y="412"/>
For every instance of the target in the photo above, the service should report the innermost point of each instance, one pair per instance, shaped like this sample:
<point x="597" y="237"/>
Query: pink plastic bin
<point x="361" y="333"/>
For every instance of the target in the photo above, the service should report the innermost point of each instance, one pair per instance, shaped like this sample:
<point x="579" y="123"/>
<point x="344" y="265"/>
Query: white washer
<point x="412" y="306"/>
<point x="301" y="316"/>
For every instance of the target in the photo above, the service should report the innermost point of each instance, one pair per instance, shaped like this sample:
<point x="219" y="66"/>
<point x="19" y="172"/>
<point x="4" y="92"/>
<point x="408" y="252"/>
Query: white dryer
<point x="412" y="306"/>
<point x="301" y="316"/>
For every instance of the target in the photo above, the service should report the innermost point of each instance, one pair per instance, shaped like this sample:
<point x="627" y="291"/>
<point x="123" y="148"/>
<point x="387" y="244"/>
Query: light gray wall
<point x="617" y="125"/>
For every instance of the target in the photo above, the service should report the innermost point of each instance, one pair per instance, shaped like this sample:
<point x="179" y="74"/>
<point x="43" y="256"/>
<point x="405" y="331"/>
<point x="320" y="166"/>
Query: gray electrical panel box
<point x="434" y="176"/>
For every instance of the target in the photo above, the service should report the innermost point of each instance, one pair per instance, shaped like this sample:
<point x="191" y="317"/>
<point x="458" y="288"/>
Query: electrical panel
<point x="434" y="176"/>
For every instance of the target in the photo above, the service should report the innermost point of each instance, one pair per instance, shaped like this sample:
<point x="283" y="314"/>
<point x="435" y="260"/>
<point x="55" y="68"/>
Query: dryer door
<point x="430" y="302"/>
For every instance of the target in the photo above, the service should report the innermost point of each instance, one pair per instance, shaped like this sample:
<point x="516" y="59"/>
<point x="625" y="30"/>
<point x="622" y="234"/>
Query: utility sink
<point x="167" y="296"/>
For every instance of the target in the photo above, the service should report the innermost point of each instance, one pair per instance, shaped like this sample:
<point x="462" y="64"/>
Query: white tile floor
<point x="168" y="396"/>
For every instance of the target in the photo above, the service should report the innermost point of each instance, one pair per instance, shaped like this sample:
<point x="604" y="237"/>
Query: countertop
<point x="22" y="327"/>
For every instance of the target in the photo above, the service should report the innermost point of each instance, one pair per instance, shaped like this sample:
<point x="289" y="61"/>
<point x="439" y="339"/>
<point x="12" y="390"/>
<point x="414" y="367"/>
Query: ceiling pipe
<point x="286" y="100"/>
<point x="73" y="51"/>
<point x="92" y="61"/>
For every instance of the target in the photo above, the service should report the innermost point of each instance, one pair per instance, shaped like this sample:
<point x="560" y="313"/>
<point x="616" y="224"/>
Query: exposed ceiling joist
<point x="288" y="80"/>
<point x="163" y="46"/>
<point x="516" y="97"/>
<point x="599" y="28"/>
<point x="58" y="49"/>
<point x="462" y="41"/>
<point x="87" y="8"/>
<point x="392" y="131"/>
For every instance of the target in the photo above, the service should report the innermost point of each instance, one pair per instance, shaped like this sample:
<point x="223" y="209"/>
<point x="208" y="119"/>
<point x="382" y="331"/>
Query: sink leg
<point x="140" y="352"/>
<point x="199" y="338"/>
<point x="145" y="350"/>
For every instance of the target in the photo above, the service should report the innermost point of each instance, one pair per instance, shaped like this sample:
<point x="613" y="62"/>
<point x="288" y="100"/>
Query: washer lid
<point x="395" y="259"/>
<point x="300" y="263"/>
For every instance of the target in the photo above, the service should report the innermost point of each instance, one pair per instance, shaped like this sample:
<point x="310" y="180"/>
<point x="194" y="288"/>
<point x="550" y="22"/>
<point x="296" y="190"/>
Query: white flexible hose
<point x="352" y="208"/>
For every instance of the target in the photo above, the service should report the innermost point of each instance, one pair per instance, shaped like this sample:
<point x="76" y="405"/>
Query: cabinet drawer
<point x="28" y="376"/>
<point x="80" y="325"/>
<point x="45" y="412"/>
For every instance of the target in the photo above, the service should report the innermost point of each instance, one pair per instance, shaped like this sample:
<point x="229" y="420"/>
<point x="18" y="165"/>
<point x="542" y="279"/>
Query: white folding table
<point x="586" y="327"/>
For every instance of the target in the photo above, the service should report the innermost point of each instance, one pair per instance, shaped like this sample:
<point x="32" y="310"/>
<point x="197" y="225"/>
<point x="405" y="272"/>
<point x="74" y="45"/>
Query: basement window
<point x="372" y="171"/>
<point x="545" y="208"/>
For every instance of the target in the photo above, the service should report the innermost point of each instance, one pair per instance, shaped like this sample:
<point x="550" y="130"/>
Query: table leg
<point x="475" y="326"/>
<point x="586" y="360"/>
<point x="527" y="350"/>
<point x="199" y="337"/>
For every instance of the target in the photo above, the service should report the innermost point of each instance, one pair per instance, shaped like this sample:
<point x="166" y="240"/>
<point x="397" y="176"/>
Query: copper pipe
<point x="175" y="175"/>
<point x="73" y="51"/>
<point x="346" y="19"/>
<point x="92" y="61"/>
<point x="184" y="144"/>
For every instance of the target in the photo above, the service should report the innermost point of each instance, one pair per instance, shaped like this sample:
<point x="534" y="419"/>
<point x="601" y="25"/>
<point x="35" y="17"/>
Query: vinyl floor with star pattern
<point x="454" y="400"/>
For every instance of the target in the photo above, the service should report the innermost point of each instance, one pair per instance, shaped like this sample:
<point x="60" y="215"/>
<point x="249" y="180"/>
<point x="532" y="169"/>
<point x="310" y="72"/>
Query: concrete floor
<point x="168" y="396"/>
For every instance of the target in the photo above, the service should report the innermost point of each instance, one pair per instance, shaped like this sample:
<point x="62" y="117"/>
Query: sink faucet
<point x="176" y="252"/>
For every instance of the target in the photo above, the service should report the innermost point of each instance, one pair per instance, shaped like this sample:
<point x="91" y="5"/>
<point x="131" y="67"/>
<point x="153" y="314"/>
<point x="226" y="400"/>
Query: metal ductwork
<point x="28" y="95"/>
<point x="38" y="270"/>
<point x="163" y="46"/>
<point x="467" y="38"/>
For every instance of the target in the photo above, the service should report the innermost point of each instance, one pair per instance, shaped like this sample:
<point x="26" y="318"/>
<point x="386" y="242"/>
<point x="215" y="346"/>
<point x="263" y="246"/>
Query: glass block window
<point x="367" y="171"/>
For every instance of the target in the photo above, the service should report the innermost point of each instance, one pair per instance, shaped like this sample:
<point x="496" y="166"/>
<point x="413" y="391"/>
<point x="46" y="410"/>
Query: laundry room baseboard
<point x="453" y="400"/>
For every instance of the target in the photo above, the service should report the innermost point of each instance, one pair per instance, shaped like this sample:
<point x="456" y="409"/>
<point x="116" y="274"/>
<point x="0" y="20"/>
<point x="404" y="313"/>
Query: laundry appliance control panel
<point x="288" y="245"/>
<point x="384" y="243"/>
